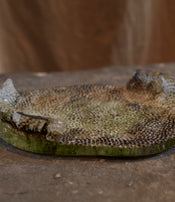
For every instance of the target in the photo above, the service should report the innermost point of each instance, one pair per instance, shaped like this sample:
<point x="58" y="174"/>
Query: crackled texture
<point x="135" y="120"/>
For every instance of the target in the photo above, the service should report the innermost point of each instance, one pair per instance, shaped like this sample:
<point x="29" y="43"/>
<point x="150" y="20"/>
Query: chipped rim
<point x="37" y="143"/>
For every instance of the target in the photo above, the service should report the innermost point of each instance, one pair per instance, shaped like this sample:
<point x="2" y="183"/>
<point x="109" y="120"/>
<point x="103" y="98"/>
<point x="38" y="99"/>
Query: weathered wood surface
<point x="31" y="177"/>
<point x="54" y="35"/>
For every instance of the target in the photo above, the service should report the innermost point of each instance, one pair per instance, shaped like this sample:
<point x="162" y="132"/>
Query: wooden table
<point x="30" y="177"/>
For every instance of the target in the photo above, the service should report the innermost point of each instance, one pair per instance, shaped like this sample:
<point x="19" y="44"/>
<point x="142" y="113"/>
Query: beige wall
<point x="54" y="35"/>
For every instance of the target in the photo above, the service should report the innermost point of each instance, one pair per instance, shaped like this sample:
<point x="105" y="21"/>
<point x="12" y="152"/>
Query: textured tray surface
<point x="84" y="179"/>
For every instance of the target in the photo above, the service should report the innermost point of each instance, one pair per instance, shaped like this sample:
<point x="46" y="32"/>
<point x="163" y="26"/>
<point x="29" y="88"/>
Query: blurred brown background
<point x="62" y="35"/>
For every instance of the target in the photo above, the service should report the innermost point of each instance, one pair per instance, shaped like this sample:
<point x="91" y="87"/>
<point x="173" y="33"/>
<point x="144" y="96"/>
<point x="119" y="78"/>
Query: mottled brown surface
<point x="29" y="177"/>
<point x="54" y="35"/>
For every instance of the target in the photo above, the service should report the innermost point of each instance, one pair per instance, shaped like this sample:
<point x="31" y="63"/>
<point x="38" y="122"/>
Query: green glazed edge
<point x="37" y="143"/>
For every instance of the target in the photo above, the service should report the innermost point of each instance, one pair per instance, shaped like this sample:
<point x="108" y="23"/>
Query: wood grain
<point x="60" y="35"/>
